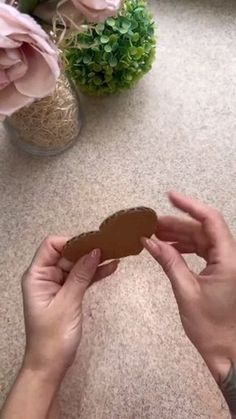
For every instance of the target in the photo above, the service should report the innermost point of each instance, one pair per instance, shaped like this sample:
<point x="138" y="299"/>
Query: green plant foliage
<point x="111" y="57"/>
<point x="27" y="6"/>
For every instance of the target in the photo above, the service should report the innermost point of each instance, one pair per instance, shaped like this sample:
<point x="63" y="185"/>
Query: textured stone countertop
<point x="175" y="130"/>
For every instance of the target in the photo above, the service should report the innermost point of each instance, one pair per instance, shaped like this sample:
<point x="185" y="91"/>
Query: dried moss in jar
<point x="50" y="125"/>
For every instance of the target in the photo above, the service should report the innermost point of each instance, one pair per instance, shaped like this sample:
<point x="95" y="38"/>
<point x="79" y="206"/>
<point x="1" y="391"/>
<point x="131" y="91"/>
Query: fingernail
<point x="92" y="258"/>
<point x="152" y="244"/>
<point x="95" y="254"/>
<point x="155" y="239"/>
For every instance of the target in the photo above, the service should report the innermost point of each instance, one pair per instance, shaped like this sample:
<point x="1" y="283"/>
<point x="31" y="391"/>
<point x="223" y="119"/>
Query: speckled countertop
<point x="175" y="130"/>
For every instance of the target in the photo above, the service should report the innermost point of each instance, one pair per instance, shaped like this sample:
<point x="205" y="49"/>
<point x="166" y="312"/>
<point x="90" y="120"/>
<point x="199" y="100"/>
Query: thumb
<point x="81" y="275"/>
<point x="173" y="264"/>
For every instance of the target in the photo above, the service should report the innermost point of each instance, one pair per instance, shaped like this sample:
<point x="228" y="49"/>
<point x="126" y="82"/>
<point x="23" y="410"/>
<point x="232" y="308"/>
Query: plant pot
<point x="50" y="125"/>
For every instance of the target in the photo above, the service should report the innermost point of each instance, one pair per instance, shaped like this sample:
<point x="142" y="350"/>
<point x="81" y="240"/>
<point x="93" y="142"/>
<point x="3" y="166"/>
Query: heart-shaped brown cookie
<point x="118" y="236"/>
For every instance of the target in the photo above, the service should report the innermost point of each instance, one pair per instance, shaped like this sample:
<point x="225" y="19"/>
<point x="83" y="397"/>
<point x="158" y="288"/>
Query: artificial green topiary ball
<point x="113" y="56"/>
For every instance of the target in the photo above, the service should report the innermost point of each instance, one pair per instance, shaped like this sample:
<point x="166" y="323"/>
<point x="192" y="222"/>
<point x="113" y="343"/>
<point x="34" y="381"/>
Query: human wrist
<point x="42" y="377"/>
<point x="224" y="373"/>
<point x="219" y="366"/>
<point x="228" y="388"/>
<point x="32" y="394"/>
<point x="45" y="372"/>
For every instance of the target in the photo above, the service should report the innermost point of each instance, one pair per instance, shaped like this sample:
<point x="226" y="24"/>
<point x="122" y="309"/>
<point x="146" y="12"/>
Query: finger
<point x="102" y="271"/>
<point x="198" y="248"/>
<point x="212" y="221"/>
<point x="65" y="265"/>
<point x="50" y="274"/>
<point x="105" y="270"/>
<point x="55" y="411"/>
<point x="81" y="276"/>
<point x="49" y="252"/>
<point x="174" y="229"/>
<point x="185" y="248"/>
<point x="173" y="265"/>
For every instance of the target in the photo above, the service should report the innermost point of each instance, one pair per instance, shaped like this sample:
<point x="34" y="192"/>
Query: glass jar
<point x="49" y="126"/>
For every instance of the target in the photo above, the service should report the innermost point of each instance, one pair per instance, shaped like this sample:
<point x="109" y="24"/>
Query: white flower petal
<point x="101" y="4"/>
<point x="39" y="81"/>
<point x="4" y="81"/>
<point x="45" y="45"/>
<point x="17" y="71"/>
<point x="13" y="21"/>
<point x="97" y="10"/>
<point x="28" y="61"/>
<point x="11" y="100"/>
<point x="6" y="42"/>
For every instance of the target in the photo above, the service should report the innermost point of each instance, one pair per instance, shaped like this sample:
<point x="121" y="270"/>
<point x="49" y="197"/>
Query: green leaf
<point x="125" y="64"/>
<point x="129" y="77"/>
<point x="104" y="39"/>
<point x="108" y="48"/>
<point x="140" y="52"/>
<point x="96" y="67"/>
<point x="148" y="48"/>
<point x="123" y="30"/>
<point x="150" y="31"/>
<point x="87" y="59"/>
<point x="27" y="6"/>
<point x="152" y="54"/>
<point x="135" y="37"/>
<point x="109" y="70"/>
<point x="99" y="28"/>
<point x="97" y="81"/>
<point x="134" y="25"/>
<point x="125" y="24"/>
<point x="115" y="46"/>
<point x="113" y="61"/>
<point x="108" y="77"/>
<point x="113" y="38"/>
<point x="85" y="39"/>
<point x="133" y="51"/>
<point x="79" y="59"/>
<point x="106" y="56"/>
<point x="138" y="10"/>
<point x="111" y="22"/>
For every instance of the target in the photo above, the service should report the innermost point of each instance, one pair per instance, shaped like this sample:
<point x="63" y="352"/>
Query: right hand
<point x="206" y="301"/>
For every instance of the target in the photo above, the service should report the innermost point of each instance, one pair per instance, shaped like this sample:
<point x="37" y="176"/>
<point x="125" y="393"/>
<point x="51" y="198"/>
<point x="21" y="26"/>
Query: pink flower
<point x="28" y="61"/>
<point x="97" y="10"/>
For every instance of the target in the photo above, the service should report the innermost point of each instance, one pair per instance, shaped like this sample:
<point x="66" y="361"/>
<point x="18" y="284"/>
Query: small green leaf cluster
<point x="112" y="56"/>
<point x="27" y="6"/>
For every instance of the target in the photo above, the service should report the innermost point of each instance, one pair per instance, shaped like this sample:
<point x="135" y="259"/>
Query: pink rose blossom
<point x="97" y="10"/>
<point x="28" y="61"/>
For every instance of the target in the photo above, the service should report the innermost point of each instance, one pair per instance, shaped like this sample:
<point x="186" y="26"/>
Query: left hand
<point x="53" y="291"/>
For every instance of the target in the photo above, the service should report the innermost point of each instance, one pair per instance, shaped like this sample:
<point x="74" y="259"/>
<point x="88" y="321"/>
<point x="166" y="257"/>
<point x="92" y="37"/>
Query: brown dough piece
<point x="118" y="236"/>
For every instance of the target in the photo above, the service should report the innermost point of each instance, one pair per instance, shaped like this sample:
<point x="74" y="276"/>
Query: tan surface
<point x="175" y="130"/>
